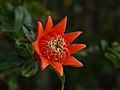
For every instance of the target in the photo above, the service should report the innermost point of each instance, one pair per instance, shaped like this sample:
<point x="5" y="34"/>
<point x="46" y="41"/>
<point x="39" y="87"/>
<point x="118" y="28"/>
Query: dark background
<point x="98" y="19"/>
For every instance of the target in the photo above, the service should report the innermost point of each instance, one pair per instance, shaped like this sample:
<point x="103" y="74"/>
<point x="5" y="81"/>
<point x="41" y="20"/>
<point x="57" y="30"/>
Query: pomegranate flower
<point x="54" y="48"/>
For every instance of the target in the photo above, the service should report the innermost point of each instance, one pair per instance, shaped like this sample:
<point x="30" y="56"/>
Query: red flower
<point x="53" y="46"/>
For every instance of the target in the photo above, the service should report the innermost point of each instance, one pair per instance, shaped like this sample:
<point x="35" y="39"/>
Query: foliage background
<point x="98" y="19"/>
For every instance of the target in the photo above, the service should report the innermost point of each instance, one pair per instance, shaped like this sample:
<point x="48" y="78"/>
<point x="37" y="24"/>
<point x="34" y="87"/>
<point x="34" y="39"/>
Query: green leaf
<point x="115" y="59"/>
<point x="62" y="79"/>
<point x="11" y="60"/>
<point x="28" y="35"/>
<point x="21" y="16"/>
<point x="116" y="46"/>
<point x="117" y="54"/>
<point x="104" y="45"/>
<point x="29" y="68"/>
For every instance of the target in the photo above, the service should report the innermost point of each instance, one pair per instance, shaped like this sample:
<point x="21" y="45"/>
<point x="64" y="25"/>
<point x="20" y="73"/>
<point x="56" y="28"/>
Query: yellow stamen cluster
<point x="57" y="44"/>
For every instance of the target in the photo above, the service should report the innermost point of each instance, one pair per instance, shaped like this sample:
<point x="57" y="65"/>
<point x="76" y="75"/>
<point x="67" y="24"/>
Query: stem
<point x="62" y="79"/>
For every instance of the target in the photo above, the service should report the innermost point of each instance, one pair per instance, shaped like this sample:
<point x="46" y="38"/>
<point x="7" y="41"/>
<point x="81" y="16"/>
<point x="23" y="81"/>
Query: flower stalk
<point x="62" y="79"/>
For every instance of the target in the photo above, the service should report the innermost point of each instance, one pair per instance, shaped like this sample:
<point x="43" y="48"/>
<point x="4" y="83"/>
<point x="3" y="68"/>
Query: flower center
<point x="53" y="47"/>
<point x="57" y="44"/>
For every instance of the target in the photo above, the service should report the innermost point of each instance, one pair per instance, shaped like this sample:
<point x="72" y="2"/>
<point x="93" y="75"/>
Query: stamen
<point x="55" y="47"/>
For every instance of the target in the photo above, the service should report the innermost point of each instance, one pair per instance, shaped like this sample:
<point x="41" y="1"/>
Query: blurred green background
<point x="98" y="19"/>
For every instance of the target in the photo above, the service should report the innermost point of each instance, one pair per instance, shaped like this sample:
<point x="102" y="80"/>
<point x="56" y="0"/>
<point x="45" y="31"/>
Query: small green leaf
<point x="62" y="79"/>
<point x="113" y="58"/>
<point x="117" y="54"/>
<point x="116" y="46"/>
<point x="104" y="45"/>
<point x="28" y="35"/>
<point x="29" y="68"/>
